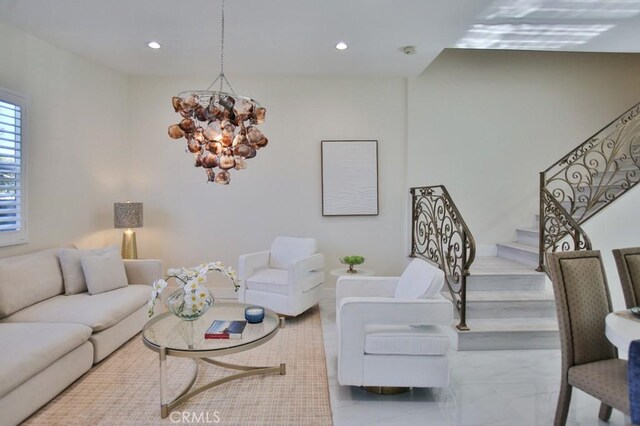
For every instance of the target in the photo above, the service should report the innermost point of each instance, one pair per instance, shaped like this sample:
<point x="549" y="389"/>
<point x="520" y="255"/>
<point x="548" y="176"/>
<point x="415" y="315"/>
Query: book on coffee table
<point x="225" y="329"/>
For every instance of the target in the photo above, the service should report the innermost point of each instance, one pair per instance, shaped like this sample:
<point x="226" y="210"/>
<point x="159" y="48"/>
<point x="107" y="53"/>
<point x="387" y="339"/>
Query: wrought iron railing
<point x="439" y="234"/>
<point x="585" y="181"/>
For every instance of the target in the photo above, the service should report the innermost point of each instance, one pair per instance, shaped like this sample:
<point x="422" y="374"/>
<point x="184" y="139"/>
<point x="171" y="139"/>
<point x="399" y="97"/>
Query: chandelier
<point x="220" y="127"/>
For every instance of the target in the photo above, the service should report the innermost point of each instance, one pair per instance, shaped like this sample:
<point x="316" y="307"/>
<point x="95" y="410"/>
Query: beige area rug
<point x="123" y="389"/>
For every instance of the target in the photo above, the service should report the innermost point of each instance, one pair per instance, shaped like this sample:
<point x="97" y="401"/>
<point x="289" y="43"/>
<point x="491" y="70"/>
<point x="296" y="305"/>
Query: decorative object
<point x="129" y="216"/>
<point x="351" y="261"/>
<point x="193" y="299"/>
<point x="349" y="178"/>
<point x="220" y="127"/>
<point x="225" y="329"/>
<point x="254" y="314"/>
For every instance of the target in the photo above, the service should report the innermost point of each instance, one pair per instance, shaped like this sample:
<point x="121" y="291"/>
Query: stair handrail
<point x="585" y="181"/>
<point x="440" y="234"/>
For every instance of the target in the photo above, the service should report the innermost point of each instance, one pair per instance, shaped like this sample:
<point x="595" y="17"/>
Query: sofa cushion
<point x="406" y="340"/>
<point x="72" y="273"/>
<point x="29" y="279"/>
<point x="29" y="348"/>
<point x="98" y="311"/>
<point x="270" y="280"/>
<point x="420" y="280"/>
<point x="104" y="272"/>
<point x="288" y="250"/>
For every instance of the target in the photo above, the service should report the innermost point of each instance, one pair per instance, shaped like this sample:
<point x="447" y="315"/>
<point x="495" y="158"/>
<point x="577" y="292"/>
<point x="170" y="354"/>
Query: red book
<point x="221" y="329"/>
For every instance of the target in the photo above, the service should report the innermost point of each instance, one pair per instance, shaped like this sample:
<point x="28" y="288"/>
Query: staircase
<point x="509" y="304"/>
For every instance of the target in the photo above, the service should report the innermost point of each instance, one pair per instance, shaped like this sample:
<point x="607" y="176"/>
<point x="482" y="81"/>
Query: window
<point x="12" y="179"/>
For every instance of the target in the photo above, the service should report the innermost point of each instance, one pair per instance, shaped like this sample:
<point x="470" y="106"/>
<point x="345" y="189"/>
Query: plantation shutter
<point x="12" y="214"/>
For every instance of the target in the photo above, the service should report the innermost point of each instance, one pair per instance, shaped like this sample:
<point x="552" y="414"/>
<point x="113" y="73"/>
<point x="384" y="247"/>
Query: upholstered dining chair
<point x="287" y="278"/>
<point x="628" y="263"/>
<point x="634" y="381"/>
<point x="589" y="362"/>
<point x="391" y="330"/>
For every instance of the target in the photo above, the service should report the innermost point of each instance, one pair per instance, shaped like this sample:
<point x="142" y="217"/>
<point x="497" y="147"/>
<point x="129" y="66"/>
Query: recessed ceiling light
<point x="154" y="45"/>
<point x="341" y="45"/>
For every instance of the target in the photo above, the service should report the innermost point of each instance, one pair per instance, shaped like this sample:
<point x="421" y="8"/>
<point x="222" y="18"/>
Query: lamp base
<point x="129" y="248"/>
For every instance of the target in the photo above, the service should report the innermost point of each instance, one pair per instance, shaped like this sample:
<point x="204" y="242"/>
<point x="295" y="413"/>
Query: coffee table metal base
<point x="166" y="407"/>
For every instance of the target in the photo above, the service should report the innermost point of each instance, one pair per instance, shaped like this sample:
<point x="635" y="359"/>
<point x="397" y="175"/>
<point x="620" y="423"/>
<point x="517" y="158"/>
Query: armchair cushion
<point x="406" y="340"/>
<point x="277" y="281"/>
<point x="420" y="280"/>
<point x="269" y="280"/>
<point x="287" y="250"/>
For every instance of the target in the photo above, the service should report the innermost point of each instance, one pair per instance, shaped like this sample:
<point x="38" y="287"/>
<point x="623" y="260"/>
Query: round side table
<point x="342" y="272"/>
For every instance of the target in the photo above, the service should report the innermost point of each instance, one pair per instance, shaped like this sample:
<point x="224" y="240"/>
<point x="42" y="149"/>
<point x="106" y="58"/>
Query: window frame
<point x="9" y="238"/>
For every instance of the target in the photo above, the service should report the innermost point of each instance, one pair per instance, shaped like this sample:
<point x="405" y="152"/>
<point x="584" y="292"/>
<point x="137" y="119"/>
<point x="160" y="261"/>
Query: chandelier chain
<point x="222" y="48"/>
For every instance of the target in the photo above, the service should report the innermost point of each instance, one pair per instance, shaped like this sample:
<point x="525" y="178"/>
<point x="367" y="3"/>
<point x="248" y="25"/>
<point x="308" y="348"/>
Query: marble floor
<point x="511" y="388"/>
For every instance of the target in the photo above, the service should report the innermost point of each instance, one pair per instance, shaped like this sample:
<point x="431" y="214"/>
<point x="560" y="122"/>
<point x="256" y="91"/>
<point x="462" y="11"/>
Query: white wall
<point x="188" y="221"/>
<point x="485" y="123"/>
<point x="77" y="137"/>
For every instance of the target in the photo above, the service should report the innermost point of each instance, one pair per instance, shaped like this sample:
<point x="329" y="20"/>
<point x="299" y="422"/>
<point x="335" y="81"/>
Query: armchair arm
<point x="142" y="271"/>
<point x="299" y="270"/>
<point x="249" y="263"/>
<point x="365" y="287"/>
<point x="307" y="264"/>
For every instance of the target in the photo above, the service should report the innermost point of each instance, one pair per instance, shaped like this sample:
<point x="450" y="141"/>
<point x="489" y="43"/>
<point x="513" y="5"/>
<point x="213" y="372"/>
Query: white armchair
<point x="286" y="279"/>
<point x="391" y="329"/>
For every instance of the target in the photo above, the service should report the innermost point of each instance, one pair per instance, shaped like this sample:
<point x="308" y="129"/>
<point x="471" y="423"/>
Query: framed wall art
<point x="349" y="178"/>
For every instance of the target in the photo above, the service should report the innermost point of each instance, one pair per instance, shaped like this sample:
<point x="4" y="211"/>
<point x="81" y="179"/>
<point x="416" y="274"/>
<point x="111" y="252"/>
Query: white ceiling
<point x="297" y="37"/>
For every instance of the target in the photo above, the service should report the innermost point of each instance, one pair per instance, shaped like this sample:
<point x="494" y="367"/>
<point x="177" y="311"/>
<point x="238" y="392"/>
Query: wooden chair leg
<point x="564" y="399"/>
<point x="605" y="412"/>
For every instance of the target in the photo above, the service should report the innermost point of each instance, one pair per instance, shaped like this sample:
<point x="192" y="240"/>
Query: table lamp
<point x="128" y="215"/>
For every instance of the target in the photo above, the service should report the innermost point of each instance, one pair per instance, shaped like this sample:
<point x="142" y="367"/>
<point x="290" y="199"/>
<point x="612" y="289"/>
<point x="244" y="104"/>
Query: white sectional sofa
<point x="50" y="339"/>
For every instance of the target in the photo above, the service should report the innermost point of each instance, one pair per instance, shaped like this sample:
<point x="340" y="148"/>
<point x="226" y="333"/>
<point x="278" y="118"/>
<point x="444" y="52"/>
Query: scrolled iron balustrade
<point x="585" y="181"/>
<point x="440" y="235"/>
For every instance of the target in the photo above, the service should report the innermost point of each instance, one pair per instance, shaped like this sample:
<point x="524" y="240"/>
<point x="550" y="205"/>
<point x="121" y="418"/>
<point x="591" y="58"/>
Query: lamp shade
<point x="127" y="215"/>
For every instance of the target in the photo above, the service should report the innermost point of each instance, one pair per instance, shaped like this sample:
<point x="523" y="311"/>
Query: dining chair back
<point x="589" y="361"/>
<point x="628" y="263"/>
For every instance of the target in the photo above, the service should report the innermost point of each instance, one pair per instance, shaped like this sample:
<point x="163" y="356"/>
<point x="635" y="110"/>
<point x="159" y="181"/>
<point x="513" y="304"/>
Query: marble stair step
<point x="492" y="273"/>
<point x="510" y="304"/>
<point x="509" y="333"/>
<point x="528" y="236"/>
<point x="521" y="253"/>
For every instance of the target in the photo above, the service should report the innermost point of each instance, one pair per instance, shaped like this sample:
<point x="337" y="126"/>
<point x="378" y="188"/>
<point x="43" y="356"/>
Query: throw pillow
<point x="420" y="280"/>
<point x="72" y="274"/>
<point x="104" y="272"/>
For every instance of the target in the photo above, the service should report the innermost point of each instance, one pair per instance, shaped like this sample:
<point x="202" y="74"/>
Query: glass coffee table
<point x="170" y="336"/>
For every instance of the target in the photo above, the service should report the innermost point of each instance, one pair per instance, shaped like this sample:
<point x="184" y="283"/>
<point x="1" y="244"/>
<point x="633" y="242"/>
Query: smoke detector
<point x="409" y="50"/>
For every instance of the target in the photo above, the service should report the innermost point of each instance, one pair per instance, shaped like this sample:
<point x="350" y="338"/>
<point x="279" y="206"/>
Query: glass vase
<point x="185" y="311"/>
